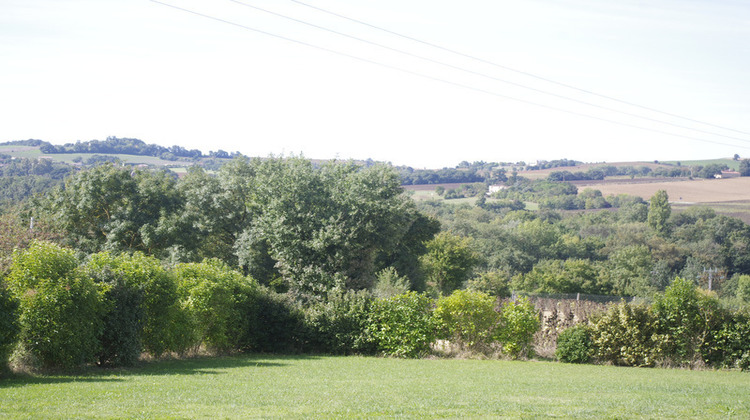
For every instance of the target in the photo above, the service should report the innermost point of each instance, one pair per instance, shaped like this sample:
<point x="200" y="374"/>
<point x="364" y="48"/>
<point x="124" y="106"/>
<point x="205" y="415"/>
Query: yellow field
<point x="695" y="191"/>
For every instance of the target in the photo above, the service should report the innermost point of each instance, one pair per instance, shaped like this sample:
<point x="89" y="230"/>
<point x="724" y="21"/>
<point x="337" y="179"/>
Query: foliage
<point x="626" y="335"/>
<point x="166" y="327"/>
<point x="114" y="145"/>
<point x="679" y="319"/>
<point x="116" y="208"/>
<point x="467" y="318"/>
<point x="410" y="176"/>
<point x="276" y="323"/>
<point x="563" y="276"/>
<point x="494" y="283"/>
<point x="402" y="325"/>
<point x="16" y="233"/>
<point x="328" y="227"/>
<point x="630" y="270"/>
<point x="60" y="309"/>
<point x="659" y="211"/>
<point x="22" y="179"/>
<point x="728" y="344"/>
<point x="390" y="284"/>
<point x="337" y="326"/>
<point x="519" y="321"/>
<point x="448" y="262"/>
<point x="213" y="295"/>
<point x="123" y="318"/>
<point x="8" y="325"/>
<point x="574" y="344"/>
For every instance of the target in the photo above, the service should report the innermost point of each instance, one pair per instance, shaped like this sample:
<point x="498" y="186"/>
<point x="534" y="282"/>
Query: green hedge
<point x="8" y="325"/>
<point x="60" y="309"/>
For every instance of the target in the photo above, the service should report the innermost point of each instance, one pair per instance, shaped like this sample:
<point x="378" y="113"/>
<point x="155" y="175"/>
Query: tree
<point x="659" y="211"/>
<point x="116" y="208"/>
<point x="745" y="167"/>
<point x="448" y="262"/>
<point x="329" y="227"/>
<point x="630" y="270"/>
<point x="467" y="318"/>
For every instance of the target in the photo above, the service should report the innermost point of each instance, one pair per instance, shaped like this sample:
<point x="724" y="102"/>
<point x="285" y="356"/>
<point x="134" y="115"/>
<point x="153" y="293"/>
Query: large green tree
<point x="449" y="262"/>
<point x="659" y="211"/>
<point x="117" y="208"/>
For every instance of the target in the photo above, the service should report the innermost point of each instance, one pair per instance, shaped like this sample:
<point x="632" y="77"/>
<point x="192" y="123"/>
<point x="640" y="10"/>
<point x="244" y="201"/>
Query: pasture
<point x="334" y="387"/>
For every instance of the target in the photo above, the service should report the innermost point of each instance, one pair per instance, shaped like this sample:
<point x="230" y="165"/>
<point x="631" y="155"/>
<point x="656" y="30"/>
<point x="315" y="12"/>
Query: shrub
<point x="122" y="318"/>
<point x="337" y="325"/>
<point x="729" y="344"/>
<point x="165" y="327"/>
<point x="467" y="318"/>
<point x="625" y="335"/>
<point x="60" y="310"/>
<point x="685" y="319"/>
<point x="494" y="283"/>
<point x="519" y="321"/>
<point x="389" y="283"/>
<point x="8" y="325"/>
<point x="213" y="295"/>
<point x="574" y="345"/>
<point x="275" y="323"/>
<point x="402" y="325"/>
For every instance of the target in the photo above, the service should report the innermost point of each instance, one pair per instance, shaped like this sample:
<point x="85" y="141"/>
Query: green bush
<point x="402" y="325"/>
<point x="8" y="325"/>
<point x="213" y="295"/>
<point x="685" y="319"/>
<point x="467" y="318"/>
<point x="574" y="345"/>
<point x="122" y="319"/>
<point x="60" y="309"/>
<point x="519" y="321"/>
<point x="678" y="316"/>
<point x="626" y="335"/>
<point x="337" y="325"/>
<point x="389" y="283"/>
<point x="494" y="283"/>
<point x="165" y="326"/>
<point x="728" y="345"/>
<point x="275" y="323"/>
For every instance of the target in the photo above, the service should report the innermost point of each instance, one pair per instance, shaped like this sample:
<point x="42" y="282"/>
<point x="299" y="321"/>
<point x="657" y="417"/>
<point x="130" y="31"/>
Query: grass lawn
<point x="325" y="387"/>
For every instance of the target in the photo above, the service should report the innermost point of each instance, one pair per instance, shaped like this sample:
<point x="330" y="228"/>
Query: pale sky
<point x="88" y="69"/>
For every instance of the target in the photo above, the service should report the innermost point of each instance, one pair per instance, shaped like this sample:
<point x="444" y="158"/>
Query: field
<point x="695" y="191"/>
<point x="356" y="387"/>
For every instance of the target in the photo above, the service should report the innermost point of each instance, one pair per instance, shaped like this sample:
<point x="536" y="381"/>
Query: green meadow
<point x="354" y="387"/>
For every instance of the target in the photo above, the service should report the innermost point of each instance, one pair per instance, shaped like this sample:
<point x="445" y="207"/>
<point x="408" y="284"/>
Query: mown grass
<point x="325" y="387"/>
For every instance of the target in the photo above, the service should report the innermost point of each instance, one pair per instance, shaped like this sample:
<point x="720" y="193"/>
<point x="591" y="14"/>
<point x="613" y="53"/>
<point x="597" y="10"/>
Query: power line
<point x="366" y="60"/>
<point x="525" y="73"/>
<point x="451" y="66"/>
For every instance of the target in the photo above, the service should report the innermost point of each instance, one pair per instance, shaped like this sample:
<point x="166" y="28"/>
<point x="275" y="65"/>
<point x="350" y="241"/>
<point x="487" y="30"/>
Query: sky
<point x="470" y="80"/>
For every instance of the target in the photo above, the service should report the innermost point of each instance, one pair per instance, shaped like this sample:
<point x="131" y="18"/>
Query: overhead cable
<point x="525" y="73"/>
<point x="425" y="76"/>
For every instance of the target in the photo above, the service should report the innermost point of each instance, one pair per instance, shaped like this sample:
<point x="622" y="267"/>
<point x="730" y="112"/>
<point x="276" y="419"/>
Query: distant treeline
<point x="23" y="178"/>
<point x="129" y="146"/>
<point x="600" y="172"/>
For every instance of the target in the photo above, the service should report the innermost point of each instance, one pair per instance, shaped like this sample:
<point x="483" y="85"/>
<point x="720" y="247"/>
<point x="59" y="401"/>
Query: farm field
<point x="325" y="387"/>
<point x="695" y="191"/>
